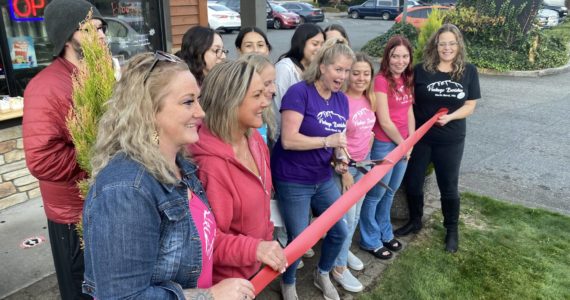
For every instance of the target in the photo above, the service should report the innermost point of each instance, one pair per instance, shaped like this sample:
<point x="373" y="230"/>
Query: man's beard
<point x="77" y="47"/>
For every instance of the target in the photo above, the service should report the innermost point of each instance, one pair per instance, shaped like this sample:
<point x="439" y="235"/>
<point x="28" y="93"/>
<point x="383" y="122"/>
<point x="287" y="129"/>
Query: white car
<point x="412" y="3"/>
<point x="547" y="18"/>
<point x="223" y="18"/>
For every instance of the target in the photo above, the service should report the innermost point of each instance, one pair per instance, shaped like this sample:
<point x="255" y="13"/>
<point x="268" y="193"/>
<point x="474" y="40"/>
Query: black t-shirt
<point x="437" y="90"/>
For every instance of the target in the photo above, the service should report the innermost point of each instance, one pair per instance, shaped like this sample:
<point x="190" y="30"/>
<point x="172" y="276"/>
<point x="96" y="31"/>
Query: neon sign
<point x="26" y="10"/>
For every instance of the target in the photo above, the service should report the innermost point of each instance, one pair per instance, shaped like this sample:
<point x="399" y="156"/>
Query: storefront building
<point x="134" y="26"/>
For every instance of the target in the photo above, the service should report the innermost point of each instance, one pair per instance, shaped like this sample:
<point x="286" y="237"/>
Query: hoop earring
<point x="154" y="137"/>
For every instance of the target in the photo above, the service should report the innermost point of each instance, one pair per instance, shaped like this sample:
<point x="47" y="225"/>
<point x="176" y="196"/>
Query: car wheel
<point x="354" y="15"/>
<point x="385" y="16"/>
<point x="277" y="24"/>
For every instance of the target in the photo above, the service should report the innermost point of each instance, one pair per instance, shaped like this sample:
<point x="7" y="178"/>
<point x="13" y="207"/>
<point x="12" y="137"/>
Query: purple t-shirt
<point x="320" y="118"/>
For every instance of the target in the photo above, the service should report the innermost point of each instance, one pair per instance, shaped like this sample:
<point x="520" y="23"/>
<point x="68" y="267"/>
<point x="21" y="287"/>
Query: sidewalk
<point x="28" y="274"/>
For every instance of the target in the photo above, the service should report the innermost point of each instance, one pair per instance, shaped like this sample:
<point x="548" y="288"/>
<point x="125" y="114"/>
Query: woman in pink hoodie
<point x="233" y="163"/>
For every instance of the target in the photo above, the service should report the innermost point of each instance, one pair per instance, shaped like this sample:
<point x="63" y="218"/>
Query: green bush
<point x="375" y="47"/>
<point x="434" y="22"/>
<point x="550" y="52"/>
<point x="489" y="25"/>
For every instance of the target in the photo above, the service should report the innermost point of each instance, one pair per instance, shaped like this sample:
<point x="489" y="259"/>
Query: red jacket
<point x="50" y="154"/>
<point x="239" y="200"/>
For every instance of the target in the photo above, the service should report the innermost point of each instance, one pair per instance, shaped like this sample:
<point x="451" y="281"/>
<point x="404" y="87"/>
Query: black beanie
<point x="62" y="19"/>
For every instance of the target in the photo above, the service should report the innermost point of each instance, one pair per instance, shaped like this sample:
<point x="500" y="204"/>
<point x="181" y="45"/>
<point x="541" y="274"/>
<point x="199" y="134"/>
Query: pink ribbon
<point x="326" y="220"/>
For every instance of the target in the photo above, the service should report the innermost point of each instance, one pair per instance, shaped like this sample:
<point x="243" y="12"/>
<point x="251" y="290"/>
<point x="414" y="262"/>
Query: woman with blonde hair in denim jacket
<point x="148" y="227"/>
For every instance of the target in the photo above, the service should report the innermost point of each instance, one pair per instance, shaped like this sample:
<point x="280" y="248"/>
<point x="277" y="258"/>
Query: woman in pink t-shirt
<point x="361" y="119"/>
<point x="393" y="87"/>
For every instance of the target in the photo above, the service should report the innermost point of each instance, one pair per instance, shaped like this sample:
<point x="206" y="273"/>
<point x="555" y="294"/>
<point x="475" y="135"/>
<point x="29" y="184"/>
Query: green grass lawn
<point x="505" y="252"/>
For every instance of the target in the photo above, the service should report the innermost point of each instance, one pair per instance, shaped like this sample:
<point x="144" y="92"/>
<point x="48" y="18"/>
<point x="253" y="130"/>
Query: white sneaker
<point x="354" y="262"/>
<point x="288" y="291"/>
<point x="310" y="253"/>
<point x="348" y="281"/>
<point x="300" y="265"/>
<point x="323" y="283"/>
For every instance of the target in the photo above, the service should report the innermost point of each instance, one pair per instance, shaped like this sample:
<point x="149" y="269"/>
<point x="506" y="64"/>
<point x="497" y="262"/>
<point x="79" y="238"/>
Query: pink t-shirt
<point x="361" y="119"/>
<point x="398" y="103"/>
<point x="206" y="226"/>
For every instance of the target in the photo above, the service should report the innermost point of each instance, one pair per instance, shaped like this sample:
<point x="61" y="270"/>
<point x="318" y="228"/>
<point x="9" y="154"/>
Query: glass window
<point x="368" y="4"/>
<point x="134" y="27"/>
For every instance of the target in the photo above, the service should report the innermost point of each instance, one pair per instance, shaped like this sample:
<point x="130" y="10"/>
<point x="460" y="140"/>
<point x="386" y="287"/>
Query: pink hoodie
<point x="239" y="200"/>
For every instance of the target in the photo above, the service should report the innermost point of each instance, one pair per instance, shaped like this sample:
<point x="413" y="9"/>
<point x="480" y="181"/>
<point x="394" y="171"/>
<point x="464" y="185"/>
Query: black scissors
<point x="365" y="165"/>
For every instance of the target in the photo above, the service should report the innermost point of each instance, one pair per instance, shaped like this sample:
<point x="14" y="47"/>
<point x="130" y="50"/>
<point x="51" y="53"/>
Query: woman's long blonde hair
<point x="128" y="125"/>
<point x="431" y="56"/>
<point x="327" y="55"/>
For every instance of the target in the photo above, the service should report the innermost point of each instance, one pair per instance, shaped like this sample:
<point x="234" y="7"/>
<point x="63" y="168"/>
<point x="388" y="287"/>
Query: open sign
<point x="26" y="10"/>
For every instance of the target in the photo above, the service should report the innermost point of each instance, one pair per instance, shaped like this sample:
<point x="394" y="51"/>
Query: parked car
<point x="547" y="18"/>
<point x="306" y="11"/>
<point x="123" y="40"/>
<point x="558" y="5"/>
<point x="387" y="9"/>
<point x="412" y="3"/>
<point x="223" y="18"/>
<point x="236" y="6"/>
<point x="283" y="18"/>
<point x="418" y="15"/>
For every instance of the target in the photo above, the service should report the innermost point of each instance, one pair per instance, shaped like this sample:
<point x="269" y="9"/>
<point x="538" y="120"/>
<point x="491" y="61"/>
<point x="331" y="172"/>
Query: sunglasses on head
<point x="161" y="56"/>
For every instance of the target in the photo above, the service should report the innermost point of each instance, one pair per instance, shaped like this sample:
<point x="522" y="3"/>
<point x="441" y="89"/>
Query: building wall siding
<point x="185" y="14"/>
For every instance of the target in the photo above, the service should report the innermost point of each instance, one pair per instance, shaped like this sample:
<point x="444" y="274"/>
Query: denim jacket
<point x="140" y="239"/>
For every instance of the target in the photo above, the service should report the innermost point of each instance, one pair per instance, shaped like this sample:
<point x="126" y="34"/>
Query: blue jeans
<point x="295" y="201"/>
<point x="375" y="224"/>
<point x="351" y="218"/>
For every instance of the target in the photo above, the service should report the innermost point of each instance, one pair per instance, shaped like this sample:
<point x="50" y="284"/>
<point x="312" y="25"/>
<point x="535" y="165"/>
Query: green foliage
<point x="375" y="47"/>
<point x="484" y="23"/>
<point x="495" y="39"/>
<point x="506" y="252"/>
<point x="433" y="23"/>
<point x="540" y="52"/>
<point x="92" y="86"/>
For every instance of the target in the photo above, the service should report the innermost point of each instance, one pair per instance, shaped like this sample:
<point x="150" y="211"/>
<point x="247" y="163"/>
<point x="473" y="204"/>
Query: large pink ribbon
<point x="326" y="220"/>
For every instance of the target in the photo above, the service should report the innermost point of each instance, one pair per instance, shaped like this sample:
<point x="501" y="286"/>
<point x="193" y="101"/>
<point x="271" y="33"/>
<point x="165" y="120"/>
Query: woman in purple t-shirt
<point x="393" y="87"/>
<point x="314" y="114"/>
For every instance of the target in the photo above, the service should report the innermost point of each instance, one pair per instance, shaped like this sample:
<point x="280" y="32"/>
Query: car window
<point x="414" y="14"/>
<point x="116" y="29"/>
<point x="368" y="4"/>
<point x="295" y="6"/>
<point x="278" y="8"/>
<point x="384" y="3"/>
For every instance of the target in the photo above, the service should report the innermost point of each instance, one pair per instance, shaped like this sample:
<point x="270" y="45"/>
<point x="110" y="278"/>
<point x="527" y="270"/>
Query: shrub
<point x="375" y="47"/>
<point x="434" y="22"/>
<point x="485" y="23"/>
<point x="546" y="52"/>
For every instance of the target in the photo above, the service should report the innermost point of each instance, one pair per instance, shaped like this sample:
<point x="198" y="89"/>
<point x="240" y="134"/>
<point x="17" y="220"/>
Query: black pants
<point x="68" y="260"/>
<point x="446" y="160"/>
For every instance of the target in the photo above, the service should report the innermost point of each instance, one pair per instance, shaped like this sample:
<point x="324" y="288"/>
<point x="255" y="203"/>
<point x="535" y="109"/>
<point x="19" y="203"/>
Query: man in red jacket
<point x="50" y="153"/>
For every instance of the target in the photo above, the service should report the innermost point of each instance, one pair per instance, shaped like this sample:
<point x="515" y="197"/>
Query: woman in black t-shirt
<point x="443" y="80"/>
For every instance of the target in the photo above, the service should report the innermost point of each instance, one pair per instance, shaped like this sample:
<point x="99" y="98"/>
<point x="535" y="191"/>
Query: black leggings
<point x="446" y="160"/>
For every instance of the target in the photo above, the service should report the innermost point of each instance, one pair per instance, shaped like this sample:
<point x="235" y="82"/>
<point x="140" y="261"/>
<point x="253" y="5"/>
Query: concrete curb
<point x="535" y="73"/>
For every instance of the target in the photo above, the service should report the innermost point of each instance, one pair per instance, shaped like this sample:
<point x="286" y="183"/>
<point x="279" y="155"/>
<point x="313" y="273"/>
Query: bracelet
<point x="325" y="143"/>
